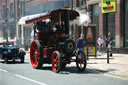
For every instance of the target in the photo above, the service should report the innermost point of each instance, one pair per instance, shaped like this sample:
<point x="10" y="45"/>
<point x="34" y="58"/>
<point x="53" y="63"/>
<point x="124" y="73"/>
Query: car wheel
<point x="36" y="54"/>
<point x="13" y="60"/>
<point x="22" y="59"/>
<point x="6" y="60"/>
<point x="81" y="61"/>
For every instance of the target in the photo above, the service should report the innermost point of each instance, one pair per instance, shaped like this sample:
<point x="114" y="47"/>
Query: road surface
<point x="23" y="74"/>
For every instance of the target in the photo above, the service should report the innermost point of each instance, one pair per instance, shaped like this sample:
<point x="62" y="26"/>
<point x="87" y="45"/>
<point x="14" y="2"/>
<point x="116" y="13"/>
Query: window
<point x="4" y="11"/>
<point x="95" y="17"/>
<point x="111" y="25"/>
<point x="79" y="3"/>
<point x="11" y="10"/>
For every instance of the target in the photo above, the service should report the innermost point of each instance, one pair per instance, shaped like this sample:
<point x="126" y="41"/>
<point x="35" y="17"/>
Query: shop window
<point x="111" y="25"/>
<point x="95" y="17"/>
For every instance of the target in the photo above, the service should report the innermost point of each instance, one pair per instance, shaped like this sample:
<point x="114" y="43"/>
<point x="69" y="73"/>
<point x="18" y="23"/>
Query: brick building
<point x="114" y="22"/>
<point x="9" y="12"/>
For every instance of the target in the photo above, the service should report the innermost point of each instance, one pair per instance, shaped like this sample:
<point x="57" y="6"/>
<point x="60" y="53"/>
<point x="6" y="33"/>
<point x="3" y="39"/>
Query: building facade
<point x="114" y="22"/>
<point x="9" y="14"/>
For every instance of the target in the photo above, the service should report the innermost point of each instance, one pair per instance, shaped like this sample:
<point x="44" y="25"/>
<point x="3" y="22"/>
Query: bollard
<point x="87" y="53"/>
<point x="108" y="55"/>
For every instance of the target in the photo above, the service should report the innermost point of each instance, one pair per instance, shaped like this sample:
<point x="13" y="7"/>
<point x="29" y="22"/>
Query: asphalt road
<point x="23" y="74"/>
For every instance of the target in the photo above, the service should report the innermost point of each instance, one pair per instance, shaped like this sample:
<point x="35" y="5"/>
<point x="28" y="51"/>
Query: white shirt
<point x="100" y="41"/>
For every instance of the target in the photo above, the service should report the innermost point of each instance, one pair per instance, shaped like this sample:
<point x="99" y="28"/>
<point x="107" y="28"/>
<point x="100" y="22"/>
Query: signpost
<point x="108" y="6"/>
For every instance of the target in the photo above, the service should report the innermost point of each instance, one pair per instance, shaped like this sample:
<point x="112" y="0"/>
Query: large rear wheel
<point x="36" y="54"/>
<point x="81" y="61"/>
<point x="56" y="61"/>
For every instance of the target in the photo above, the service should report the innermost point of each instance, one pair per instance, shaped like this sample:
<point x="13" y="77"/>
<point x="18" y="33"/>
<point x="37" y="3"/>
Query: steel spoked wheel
<point x="36" y="55"/>
<point x="81" y="61"/>
<point x="56" y="61"/>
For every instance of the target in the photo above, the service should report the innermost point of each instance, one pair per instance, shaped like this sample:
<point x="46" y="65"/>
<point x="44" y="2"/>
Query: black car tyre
<point x="6" y="60"/>
<point x="13" y="60"/>
<point x="22" y="59"/>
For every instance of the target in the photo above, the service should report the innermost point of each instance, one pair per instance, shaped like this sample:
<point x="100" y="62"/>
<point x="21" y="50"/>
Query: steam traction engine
<point x="53" y="46"/>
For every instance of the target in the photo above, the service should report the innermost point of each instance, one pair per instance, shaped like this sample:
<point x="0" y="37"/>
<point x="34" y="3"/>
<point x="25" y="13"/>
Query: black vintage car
<point x="11" y="52"/>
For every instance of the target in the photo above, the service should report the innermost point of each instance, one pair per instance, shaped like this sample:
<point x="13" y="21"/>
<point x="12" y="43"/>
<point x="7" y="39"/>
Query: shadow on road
<point x="16" y="62"/>
<point x="72" y="69"/>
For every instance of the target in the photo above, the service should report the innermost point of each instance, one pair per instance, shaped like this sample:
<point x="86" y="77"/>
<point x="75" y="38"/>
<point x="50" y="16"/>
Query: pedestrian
<point x="100" y="42"/>
<point x="109" y="43"/>
<point x="80" y="43"/>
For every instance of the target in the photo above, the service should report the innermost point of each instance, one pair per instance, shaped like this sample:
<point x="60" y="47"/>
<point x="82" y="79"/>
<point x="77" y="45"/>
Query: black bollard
<point x="87" y="53"/>
<point x="108" y="55"/>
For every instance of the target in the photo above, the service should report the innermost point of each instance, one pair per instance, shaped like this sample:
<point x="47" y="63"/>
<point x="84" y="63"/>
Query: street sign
<point x="108" y="6"/>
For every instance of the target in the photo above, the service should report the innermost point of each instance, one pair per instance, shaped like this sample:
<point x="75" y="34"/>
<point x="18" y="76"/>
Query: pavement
<point x="118" y="65"/>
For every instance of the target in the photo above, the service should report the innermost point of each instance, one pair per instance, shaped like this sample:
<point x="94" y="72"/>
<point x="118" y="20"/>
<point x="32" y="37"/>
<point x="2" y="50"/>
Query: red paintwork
<point x="72" y="14"/>
<point x="80" y="61"/>
<point x="34" y="54"/>
<point x="45" y="52"/>
<point x="55" y="62"/>
<point x="43" y="36"/>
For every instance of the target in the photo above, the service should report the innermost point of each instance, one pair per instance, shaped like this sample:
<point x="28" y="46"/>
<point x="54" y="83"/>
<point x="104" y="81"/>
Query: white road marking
<point x="3" y="70"/>
<point x="30" y="79"/>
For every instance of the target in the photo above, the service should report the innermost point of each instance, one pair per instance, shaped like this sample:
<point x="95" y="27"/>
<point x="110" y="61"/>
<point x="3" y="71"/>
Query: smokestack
<point x="66" y="21"/>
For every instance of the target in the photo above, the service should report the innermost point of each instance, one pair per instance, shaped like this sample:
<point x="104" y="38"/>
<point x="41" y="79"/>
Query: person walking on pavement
<point x="80" y="43"/>
<point x="100" y="42"/>
<point x="109" y="43"/>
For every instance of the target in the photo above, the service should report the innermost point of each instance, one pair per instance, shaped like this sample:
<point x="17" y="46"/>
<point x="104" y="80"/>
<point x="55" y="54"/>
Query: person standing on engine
<point x="80" y="43"/>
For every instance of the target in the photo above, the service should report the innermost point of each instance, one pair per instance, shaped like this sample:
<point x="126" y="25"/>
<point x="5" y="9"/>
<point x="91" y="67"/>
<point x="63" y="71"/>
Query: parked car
<point x="9" y="51"/>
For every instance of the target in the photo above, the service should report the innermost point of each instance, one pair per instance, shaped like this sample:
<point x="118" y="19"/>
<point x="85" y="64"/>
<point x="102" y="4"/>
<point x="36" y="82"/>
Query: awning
<point x="72" y="13"/>
<point x="43" y="16"/>
<point x="33" y="18"/>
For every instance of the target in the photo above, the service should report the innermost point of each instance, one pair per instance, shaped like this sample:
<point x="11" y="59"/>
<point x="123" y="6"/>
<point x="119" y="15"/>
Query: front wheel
<point x="56" y="61"/>
<point x="81" y="61"/>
